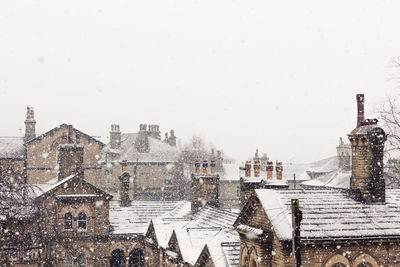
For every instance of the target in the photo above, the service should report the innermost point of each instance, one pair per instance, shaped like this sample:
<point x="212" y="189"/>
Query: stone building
<point x="72" y="222"/>
<point x="33" y="159"/>
<point x="355" y="227"/>
<point x="153" y="164"/>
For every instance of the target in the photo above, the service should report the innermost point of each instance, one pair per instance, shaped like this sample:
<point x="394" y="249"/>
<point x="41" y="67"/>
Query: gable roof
<point x="12" y="147"/>
<point x="64" y="125"/>
<point x="135" y="218"/>
<point x="331" y="214"/>
<point x="45" y="189"/>
<point x="209" y="227"/>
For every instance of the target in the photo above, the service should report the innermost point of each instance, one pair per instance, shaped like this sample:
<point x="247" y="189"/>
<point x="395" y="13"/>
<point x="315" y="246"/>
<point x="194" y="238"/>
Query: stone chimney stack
<point x="142" y="141"/>
<point x="247" y="167"/>
<point x="256" y="168"/>
<point x="360" y="109"/>
<point x="30" y="125"/>
<point x="197" y="167"/>
<point x="205" y="191"/>
<point x="279" y="170"/>
<point x="172" y="138"/>
<point x="270" y="169"/>
<point x="124" y="188"/>
<point x="367" y="182"/>
<point x="205" y="167"/>
<point x="70" y="159"/>
<point x="115" y="136"/>
<point x="219" y="162"/>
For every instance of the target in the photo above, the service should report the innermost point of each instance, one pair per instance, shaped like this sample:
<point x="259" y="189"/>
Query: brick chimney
<point x="124" y="188"/>
<point x="279" y="170"/>
<point x="360" y="109"/>
<point x="205" y="167"/>
<point x="115" y="136"/>
<point x="247" y="168"/>
<point x="256" y="168"/>
<point x="367" y="182"/>
<point x="30" y="124"/>
<point x="270" y="169"/>
<point x="205" y="191"/>
<point x="70" y="158"/>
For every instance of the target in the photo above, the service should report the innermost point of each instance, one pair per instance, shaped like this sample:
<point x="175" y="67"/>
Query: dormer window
<point x="82" y="221"/>
<point x="68" y="221"/>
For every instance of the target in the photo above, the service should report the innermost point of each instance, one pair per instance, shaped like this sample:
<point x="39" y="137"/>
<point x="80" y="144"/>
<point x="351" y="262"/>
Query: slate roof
<point x="332" y="214"/>
<point x="11" y="147"/>
<point x="337" y="179"/>
<point x="211" y="227"/>
<point x="159" y="150"/>
<point x="135" y="218"/>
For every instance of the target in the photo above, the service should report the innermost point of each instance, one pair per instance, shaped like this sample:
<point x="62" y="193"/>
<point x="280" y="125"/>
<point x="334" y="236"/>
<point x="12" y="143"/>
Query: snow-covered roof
<point x="336" y="179"/>
<point x="159" y="151"/>
<point x="11" y="147"/>
<point x="135" y="218"/>
<point x="331" y="214"/>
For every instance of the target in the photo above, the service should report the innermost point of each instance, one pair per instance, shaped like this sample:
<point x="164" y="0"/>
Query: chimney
<point x="270" y="169"/>
<point x="247" y="168"/>
<point x="115" y="136"/>
<point x="70" y="160"/>
<point x="205" y="191"/>
<point x="142" y="141"/>
<point x="279" y="170"/>
<point x="30" y="124"/>
<point x="360" y="109"/>
<point x="367" y="182"/>
<point x="124" y="189"/>
<point x="219" y="164"/>
<point x="256" y="168"/>
<point x="205" y="167"/>
<point x="197" y="167"/>
<point x="212" y="167"/>
<point x="172" y="138"/>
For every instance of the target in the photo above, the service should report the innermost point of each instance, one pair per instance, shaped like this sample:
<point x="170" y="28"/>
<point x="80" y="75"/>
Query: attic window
<point x="68" y="221"/>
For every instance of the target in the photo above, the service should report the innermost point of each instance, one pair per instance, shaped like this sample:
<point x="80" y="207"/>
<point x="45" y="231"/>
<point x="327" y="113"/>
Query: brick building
<point x="355" y="227"/>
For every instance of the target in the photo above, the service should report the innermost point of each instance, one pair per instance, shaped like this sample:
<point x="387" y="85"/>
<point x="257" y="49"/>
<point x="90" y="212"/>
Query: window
<point x="136" y="258"/>
<point x="68" y="260"/>
<point x="82" y="260"/>
<point x="238" y="191"/>
<point x="364" y="264"/>
<point x="338" y="265"/>
<point x="68" y="221"/>
<point x="82" y="221"/>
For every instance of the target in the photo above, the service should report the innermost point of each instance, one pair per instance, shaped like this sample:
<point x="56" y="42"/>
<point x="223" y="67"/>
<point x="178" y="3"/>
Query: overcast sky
<point x="280" y="76"/>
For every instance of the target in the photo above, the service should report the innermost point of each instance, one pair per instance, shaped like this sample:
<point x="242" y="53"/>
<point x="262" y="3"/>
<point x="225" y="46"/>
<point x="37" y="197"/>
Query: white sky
<point x="280" y="76"/>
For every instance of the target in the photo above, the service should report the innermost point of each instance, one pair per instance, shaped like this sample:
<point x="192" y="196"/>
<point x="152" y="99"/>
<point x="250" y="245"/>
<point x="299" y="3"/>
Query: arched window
<point x="253" y="263"/>
<point x="68" y="221"/>
<point x="117" y="258"/>
<point x="82" y="260"/>
<point x="136" y="258"/>
<point x="82" y="221"/>
<point x="68" y="260"/>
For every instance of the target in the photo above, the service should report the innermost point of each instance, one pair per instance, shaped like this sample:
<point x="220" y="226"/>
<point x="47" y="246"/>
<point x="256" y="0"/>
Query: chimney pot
<point x="205" y="167"/>
<point x="247" y="167"/>
<point x="197" y="167"/>
<point x="270" y="169"/>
